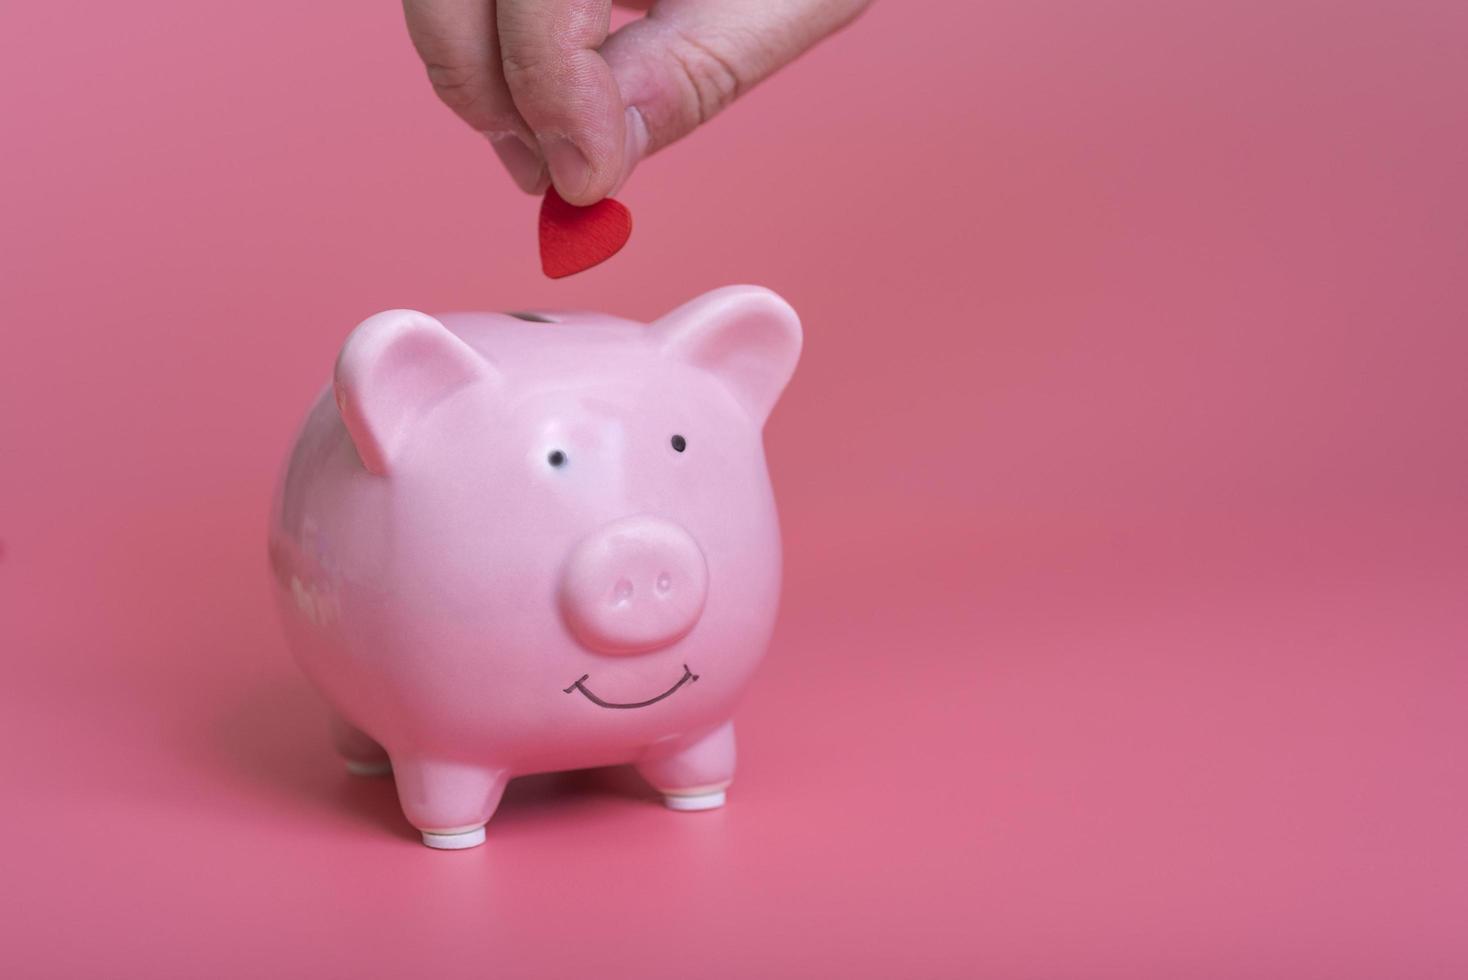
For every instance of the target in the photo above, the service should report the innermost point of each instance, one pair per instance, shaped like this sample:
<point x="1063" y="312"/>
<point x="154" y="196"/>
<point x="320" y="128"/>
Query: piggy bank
<point x="519" y="543"/>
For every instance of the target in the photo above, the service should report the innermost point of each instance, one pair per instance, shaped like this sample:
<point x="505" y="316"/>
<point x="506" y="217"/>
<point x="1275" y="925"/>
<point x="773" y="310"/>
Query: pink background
<point x="1124" y="484"/>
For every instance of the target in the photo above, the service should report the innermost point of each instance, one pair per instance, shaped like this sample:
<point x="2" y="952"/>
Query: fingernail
<point x="634" y="147"/>
<point x="568" y="167"/>
<point x="523" y="163"/>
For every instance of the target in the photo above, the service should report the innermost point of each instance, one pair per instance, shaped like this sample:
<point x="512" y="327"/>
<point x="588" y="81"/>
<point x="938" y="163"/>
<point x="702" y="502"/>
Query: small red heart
<point x="574" y="239"/>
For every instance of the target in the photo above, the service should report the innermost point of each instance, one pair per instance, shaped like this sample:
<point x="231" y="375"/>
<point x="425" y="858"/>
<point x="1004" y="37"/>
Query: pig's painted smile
<point x="580" y="685"/>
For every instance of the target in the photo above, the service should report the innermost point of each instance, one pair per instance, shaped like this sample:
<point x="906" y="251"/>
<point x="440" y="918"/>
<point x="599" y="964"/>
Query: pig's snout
<point x="635" y="585"/>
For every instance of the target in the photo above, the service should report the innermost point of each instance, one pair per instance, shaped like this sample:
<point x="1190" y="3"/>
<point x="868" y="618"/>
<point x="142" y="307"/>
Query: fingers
<point x="688" y="59"/>
<point x="456" y="40"/>
<point x="561" y="101"/>
<point x="565" y="91"/>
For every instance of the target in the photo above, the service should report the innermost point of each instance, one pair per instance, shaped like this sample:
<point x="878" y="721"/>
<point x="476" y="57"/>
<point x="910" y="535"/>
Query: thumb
<point x="686" y="60"/>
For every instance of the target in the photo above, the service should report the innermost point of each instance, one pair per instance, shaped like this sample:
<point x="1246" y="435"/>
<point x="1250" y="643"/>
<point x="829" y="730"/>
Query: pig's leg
<point x="692" y="775"/>
<point x="449" y="802"/>
<point x="364" y="756"/>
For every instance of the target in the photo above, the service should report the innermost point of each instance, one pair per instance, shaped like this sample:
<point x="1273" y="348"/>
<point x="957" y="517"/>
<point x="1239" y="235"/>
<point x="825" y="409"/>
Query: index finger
<point x="565" y="91"/>
<point x="460" y="50"/>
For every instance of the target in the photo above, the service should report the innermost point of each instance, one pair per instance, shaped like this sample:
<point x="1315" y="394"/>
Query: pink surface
<point x="1123" y="486"/>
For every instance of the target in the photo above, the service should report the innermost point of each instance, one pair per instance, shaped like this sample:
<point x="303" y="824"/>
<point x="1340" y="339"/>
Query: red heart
<point x="574" y="239"/>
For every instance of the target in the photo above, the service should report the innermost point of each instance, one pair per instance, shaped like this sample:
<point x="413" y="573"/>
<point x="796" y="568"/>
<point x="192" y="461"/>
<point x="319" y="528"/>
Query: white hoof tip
<point x="698" y="801"/>
<point x="356" y="768"/>
<point x="454" y="842"/>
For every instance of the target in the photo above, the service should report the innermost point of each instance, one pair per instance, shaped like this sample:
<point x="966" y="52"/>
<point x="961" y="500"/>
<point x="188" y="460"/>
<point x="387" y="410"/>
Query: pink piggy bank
<point x="510" y="544"/>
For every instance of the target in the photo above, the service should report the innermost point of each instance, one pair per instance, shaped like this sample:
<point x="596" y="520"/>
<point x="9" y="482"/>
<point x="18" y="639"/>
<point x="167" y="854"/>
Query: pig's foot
<point x="364" y="757"/>
<point x="689" y="802"/>
<point x="449" y="802"/>
<point x="454" y="842"/>
<point x="693" y="775"/>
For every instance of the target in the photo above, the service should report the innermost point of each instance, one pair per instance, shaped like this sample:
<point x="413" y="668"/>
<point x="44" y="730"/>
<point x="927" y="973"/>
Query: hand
<point x="560" y="99"/>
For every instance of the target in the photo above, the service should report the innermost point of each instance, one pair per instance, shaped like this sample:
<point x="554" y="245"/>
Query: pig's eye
<point x="556" y="458"/>
<point x="679" y="444"/>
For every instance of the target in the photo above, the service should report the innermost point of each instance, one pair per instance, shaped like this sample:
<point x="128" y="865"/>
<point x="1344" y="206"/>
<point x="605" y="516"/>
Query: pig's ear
<point x="746" y="335"/>
<point x="393" y="368"/>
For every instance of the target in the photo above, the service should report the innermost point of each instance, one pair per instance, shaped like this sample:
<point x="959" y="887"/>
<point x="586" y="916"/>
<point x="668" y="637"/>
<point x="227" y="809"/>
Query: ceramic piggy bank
<point x="509" y="544"/>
